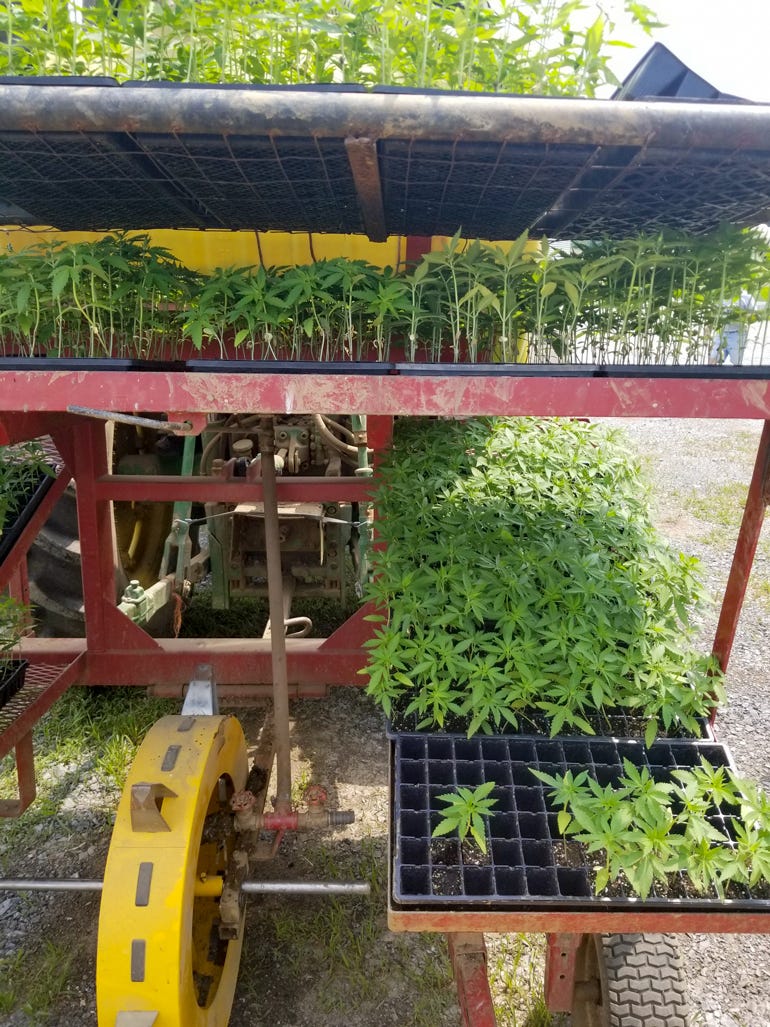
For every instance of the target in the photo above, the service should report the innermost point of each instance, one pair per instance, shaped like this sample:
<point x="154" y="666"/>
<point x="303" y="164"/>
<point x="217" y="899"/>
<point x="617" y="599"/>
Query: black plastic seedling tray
<point x="526" y="867"/>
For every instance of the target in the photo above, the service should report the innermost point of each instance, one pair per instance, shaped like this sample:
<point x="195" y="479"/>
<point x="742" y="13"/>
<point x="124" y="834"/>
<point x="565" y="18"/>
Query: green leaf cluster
<point x="522" y="47"/>
<point x="520" y="574"/>
<point x="464" y="811"/>
<point x="647" y="830"/>
<point x="651" y="299"/>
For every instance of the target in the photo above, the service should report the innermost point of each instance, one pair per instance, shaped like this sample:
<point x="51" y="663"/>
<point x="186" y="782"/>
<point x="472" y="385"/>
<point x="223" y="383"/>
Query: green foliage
<point x="647" y="830"/>
<point x="34" y="980"/>
<point x="521" y="573"/>
<point x="22" y="467"/>
<point x="523" y="47"/>
<point x="650" y="299"/>
<point x="463" y="813"/>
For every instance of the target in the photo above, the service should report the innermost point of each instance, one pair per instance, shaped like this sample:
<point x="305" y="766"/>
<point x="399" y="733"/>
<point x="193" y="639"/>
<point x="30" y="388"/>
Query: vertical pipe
<point x="745" y="548"/>
<point x="278" y="634"/>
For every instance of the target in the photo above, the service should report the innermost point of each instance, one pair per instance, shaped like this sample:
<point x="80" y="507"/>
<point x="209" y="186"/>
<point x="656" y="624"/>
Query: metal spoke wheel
<point x="160" y="957"/>
<point x="629" y="980"/>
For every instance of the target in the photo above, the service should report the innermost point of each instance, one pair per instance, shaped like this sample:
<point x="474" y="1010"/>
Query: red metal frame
<point x="117" y="651"/>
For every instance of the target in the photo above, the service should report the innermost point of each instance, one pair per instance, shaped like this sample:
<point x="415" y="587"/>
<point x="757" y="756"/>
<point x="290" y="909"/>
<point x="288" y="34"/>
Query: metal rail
<point x="478" y="117"/>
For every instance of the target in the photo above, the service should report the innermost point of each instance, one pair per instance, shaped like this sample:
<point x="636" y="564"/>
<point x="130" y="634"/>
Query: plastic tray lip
<point x="401" y="898"/>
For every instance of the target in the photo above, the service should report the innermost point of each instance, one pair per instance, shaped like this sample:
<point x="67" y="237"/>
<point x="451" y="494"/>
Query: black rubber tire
<point x="630" y="980"/>
<point x="53" y="563"/>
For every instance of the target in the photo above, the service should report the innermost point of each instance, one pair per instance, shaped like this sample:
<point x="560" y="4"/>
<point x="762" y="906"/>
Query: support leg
<point x="560" y="962"/>
<point x="745" y="548"/>
<point x="469" y="962"/>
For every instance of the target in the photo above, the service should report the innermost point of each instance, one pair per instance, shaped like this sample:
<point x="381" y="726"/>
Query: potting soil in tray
<point x="527" y="865"/>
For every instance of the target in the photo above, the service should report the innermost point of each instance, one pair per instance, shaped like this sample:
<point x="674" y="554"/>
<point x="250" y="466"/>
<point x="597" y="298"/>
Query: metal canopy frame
<point x="381" y="163"/>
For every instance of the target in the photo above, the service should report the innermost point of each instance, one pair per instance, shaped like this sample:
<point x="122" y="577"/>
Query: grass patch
<point x="33" y="980"/>
<point x="722" y="505"/>
<point x="248" y="616"/>
<point x="516" y="981"/>
<point x="88" y="739"/>
<point x="356" y="962"/>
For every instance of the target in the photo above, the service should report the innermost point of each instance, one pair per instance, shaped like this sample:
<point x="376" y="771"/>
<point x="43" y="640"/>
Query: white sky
<point x="727" y="42"/>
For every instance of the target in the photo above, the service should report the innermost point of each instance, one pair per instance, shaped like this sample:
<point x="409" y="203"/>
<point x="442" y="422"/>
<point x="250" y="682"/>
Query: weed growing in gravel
<point x="522" y="577"/>
<point x="33" y="980"/>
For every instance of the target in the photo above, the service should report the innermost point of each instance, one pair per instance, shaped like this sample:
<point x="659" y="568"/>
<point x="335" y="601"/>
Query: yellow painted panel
<point x="203" y="251"/>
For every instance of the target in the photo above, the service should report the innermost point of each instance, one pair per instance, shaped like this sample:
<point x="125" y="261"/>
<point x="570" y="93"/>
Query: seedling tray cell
<point x="527" y="865"/>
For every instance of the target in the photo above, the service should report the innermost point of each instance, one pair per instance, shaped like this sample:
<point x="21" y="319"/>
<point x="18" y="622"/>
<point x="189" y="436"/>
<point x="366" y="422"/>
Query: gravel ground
<point x="322" y="966"/>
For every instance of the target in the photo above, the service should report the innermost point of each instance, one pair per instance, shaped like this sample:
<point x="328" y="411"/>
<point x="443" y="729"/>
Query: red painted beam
<point x="431" y="394"/>
<point x="197" y="489"/>
<point x="172" y="661"/>
<point x="719" y="921"/>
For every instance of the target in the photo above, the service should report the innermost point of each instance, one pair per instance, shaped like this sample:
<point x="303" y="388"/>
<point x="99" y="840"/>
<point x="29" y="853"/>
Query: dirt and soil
<point x="322" y="962"/>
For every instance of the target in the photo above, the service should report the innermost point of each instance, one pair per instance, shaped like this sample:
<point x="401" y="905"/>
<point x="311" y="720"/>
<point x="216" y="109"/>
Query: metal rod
<point x="30" y="108"/>
<point x="49" y="884"/>
<point x="143" y="422"/>
<point x="305" y="888"/>
<point x="249" y="887"/>
<point x="278" y="638"/>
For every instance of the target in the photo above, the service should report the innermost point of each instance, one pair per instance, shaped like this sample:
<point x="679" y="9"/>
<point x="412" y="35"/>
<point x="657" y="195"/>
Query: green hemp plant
<point x="463" y="813"/>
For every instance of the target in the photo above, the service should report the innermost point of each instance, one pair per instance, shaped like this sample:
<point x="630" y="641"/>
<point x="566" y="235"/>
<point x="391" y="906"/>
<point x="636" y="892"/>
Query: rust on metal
<point x="468" y="954"/>
<point x="560" y="966"/>
<point x="36" y="108"/>
<point x="25" y="779"/>
<point x="365" y="166"/>
<point x="431" y="394"/>
<point x="745" y="550"/>
<point x="634" y="919"/>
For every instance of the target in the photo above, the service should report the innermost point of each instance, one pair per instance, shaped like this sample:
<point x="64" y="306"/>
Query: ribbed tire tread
<point x="645" y="981"/>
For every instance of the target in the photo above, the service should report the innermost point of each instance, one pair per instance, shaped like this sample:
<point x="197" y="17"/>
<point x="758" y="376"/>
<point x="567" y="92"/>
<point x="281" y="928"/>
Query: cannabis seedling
<point x="464" y="811"/>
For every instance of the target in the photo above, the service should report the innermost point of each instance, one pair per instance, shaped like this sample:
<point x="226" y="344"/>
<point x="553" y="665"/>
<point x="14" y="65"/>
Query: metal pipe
<point x="278" y="639"/>
<point x="305" y="888"/>
<point x="211" y="888"/>
<point x="142" y="422"/>
<point x="479" y="117"/>
<point x="48" y="884"/>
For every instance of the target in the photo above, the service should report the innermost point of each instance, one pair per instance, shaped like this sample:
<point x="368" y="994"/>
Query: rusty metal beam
<point x="633" y="920"/>
<point x="468" y="954"/>
<point x="320" y="114"/>
<point x="429" y="394"/>
<point x="560" y="966"/>
<point x="745" y="549"/>
<point x="362" y="155"/>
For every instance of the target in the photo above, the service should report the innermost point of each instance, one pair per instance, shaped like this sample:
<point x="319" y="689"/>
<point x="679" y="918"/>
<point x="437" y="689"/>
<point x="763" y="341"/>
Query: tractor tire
<point x="629" y="980"/>
<point x="53" y="565"/>
<point x="53" y="561"/>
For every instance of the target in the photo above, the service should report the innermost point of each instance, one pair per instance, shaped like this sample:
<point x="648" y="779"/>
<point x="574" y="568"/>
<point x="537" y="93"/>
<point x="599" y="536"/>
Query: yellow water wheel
<point x="160" y="959"/>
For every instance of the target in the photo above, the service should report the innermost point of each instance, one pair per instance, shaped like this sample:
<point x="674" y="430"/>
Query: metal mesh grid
<point x="490" y="190"/>
<point x="38" y="679"/>
<point x="623" y="188"/>
<point x="262" y="182"/>
<point x="525" y="868"/>
<point x="79" y="181"/>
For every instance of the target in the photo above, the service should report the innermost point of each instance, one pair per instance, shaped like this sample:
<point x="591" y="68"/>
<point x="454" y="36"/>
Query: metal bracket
<point x="201" y="699"/>
<point x="146" y="799"/>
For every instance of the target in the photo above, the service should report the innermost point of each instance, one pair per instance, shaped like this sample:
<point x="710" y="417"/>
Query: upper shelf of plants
<point x="402" y="119"/>
<point x="474" y="121"/>
<point x="79" y="155"/>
